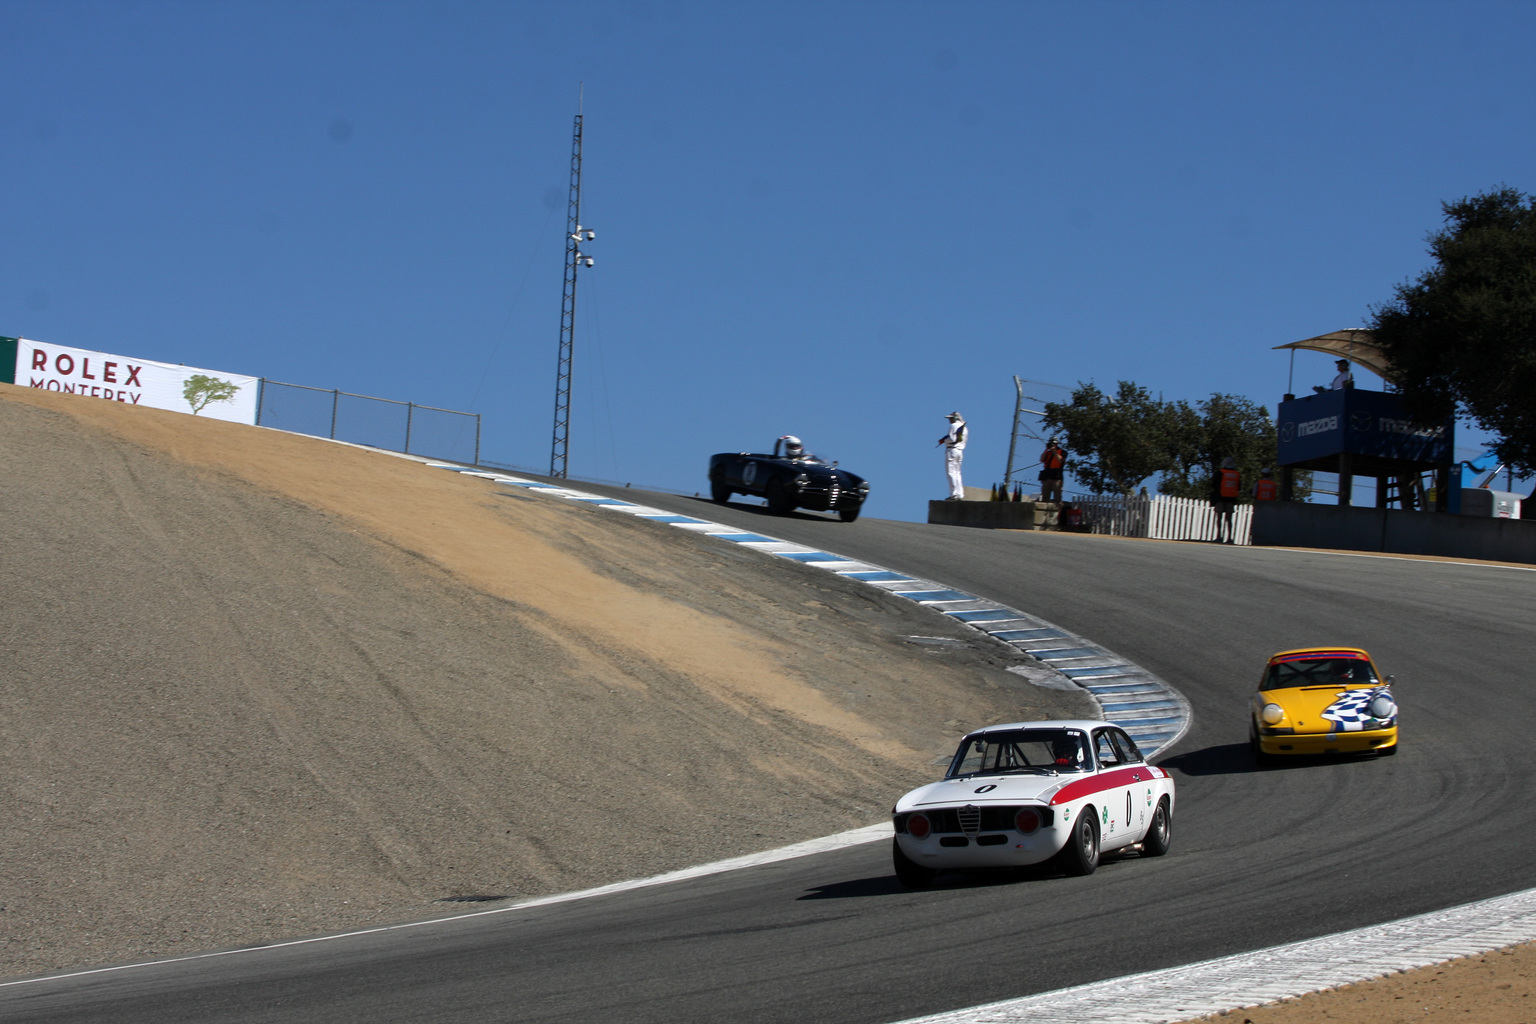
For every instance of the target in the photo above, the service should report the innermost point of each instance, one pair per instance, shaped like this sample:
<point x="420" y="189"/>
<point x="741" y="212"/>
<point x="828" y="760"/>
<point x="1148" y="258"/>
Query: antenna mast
<point x="575" y="234"/>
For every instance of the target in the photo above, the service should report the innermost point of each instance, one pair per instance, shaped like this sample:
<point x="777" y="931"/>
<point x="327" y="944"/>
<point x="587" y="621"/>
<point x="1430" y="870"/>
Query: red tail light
<point x="1027" y="820"/>
<point x="918" y="826"/>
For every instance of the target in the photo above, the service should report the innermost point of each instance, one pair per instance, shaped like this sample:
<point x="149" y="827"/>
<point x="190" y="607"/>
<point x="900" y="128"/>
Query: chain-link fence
<point x="376" y="422"/>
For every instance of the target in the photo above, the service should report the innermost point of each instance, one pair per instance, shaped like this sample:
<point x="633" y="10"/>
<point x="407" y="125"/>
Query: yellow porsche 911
<point x="1323" y="700"/>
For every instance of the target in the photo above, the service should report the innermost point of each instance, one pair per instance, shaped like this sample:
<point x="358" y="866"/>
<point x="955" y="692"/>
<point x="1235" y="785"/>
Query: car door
<point x="1142" y="790"/>
<point x="1115" y="798"/>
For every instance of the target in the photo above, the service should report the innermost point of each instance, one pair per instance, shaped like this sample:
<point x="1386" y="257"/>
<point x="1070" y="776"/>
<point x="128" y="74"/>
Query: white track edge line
<point x="809" y="847"/>
<point x="1269" y="975"/>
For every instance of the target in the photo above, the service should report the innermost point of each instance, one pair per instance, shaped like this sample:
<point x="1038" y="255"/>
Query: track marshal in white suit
<point x="954" y="454"/>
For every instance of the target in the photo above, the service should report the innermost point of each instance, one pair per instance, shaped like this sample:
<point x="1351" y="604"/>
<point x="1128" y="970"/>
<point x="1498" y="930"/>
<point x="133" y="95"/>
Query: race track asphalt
<point x="1259" y="857"/>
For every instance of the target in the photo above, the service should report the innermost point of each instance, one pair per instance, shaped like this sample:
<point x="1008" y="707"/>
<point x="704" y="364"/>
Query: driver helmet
<point x="793" y="449"/>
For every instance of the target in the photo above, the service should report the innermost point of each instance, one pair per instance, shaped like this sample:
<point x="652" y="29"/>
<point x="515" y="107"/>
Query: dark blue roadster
<point x="790" y="478"/>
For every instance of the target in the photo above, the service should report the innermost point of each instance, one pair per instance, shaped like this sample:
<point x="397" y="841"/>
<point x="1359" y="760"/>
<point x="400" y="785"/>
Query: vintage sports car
<point x="790" y="478"/>
<point x="1032" y="792"/>
<point x="1322" y="700"/>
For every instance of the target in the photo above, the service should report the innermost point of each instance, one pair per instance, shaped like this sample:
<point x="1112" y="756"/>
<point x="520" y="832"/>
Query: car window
<point x="1104" y="748"/>
<point x="1319" y="672"/>
<point x="1127" y="749"/>
<point x="1025" y="750"/>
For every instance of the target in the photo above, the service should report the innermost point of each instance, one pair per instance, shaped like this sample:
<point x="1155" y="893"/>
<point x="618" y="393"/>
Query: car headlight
<point x="918" y="826"/>
<point x="1027" y="820"/>
<point x="1273" y="714"/>
<point x="1382" y="707"/>
<point x="801" y="481"/>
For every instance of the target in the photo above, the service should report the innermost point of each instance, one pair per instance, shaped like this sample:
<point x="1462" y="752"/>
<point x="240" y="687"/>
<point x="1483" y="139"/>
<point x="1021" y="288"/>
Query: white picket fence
<point x="1159" y="517"/>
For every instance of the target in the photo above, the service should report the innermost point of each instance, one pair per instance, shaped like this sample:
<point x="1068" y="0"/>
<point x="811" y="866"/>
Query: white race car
<point x="1025" y="793"/>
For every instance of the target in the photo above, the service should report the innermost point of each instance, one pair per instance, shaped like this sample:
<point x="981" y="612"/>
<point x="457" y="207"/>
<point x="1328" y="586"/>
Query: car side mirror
<point x="1391" y="680"/>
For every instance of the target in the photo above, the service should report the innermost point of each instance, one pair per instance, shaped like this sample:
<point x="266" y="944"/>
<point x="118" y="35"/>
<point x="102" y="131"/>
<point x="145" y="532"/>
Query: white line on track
<point x="1267" y="975"/>
<point x="826" y="844"/>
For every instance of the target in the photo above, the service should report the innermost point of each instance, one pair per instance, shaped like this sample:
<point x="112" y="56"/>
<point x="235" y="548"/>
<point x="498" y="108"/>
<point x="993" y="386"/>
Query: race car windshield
<point x="1320" y="672"/>
<point x="1026" y="751"/>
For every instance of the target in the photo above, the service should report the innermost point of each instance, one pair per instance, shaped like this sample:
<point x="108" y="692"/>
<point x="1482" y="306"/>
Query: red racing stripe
<point x="1107" y="780"/>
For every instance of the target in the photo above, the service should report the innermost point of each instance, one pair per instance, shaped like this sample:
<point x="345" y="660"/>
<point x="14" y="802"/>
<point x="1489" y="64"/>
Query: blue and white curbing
<point x="1152" y="712"/>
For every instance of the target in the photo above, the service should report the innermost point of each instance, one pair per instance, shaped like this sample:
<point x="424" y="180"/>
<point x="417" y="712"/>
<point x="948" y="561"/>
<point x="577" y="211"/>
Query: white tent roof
<point x="1355" y="344"/>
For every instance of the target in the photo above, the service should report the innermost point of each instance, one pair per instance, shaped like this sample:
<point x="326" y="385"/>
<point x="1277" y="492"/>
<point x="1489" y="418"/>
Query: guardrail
<point x="363" y="419"/>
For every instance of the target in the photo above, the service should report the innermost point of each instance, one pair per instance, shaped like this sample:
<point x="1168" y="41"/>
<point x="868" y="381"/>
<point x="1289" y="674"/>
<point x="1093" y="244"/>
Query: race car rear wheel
<point x="1081" y="854"/>
<point x="1159" y="833"/>
<point x="910" y="874"/>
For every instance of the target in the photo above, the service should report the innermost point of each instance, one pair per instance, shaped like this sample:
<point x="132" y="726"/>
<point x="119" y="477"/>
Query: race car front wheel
<point x="780" y="501"/>
<point x="911" y="875"/>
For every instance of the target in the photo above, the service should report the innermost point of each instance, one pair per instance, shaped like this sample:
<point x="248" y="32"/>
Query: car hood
<point x="1327" y="708"/>
<point x="987" y="789"/>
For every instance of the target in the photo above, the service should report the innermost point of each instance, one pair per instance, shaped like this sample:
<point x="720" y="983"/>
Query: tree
<point x="1462" y="336"/>
<point x="1114" y="444"/>
<point x="1224" y="425"/>
<point x="201" y="389"/>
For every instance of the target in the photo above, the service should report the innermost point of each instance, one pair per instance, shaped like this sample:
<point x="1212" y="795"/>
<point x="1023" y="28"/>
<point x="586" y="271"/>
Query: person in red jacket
<point x="1267" y="489"/>
<point x="1226" y="487"/>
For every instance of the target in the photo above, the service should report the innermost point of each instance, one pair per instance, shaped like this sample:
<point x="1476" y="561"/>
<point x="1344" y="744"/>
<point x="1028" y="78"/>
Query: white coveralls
<point x="954" y="454"/>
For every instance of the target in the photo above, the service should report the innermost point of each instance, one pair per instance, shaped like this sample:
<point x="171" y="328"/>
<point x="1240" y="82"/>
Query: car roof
<point x="1085" y="724"/>
<point x="1352" y="653"/>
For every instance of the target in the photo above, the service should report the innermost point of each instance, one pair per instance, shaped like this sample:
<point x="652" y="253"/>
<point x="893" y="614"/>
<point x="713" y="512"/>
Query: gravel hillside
<point x="257" y="685"/>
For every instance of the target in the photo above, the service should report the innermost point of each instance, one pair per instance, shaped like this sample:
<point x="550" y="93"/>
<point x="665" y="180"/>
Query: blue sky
<point x="835" y="219"/>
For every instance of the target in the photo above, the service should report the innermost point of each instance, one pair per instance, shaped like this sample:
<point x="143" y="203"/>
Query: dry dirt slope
<point x="255" y="685"/>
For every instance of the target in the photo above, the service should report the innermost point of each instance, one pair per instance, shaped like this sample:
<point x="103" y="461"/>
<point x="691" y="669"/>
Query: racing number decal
<point x="749" y="473"/>
<point x="1127" y="808"/>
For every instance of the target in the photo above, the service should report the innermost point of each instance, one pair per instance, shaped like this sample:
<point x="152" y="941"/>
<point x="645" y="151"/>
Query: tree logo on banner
<point x="202" y="389"/>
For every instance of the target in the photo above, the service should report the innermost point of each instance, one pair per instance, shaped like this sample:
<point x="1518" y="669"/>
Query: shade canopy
<point x="1355" y="344"/>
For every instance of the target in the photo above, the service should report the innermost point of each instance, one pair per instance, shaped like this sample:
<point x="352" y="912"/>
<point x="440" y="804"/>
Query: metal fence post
<point x="410" y="409"/>
<point x="335" y="402"/>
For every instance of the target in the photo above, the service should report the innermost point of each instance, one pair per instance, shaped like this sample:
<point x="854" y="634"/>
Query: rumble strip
<point x="1152" y="712"/>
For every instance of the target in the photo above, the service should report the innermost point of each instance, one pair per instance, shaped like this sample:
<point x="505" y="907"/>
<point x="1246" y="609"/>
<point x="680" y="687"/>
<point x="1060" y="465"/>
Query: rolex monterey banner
<point x="76" y="371"/>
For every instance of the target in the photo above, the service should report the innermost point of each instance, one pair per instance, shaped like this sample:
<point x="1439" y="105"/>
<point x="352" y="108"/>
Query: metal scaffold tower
<point x="575" y="234"/>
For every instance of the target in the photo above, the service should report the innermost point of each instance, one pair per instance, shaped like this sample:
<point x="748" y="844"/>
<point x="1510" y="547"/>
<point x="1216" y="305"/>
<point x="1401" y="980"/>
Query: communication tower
<point x="575" y="259"/>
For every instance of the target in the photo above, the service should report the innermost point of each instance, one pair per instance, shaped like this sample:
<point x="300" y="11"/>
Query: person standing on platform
<point x="954" y="455"/>
<point x="1226" y="486"/>
<point x="1343" y="379"/>
<point x="1051" y="462"/>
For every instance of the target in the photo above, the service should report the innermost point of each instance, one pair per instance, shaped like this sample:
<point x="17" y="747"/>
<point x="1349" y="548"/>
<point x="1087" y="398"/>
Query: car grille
<point x="971" y="819"/>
